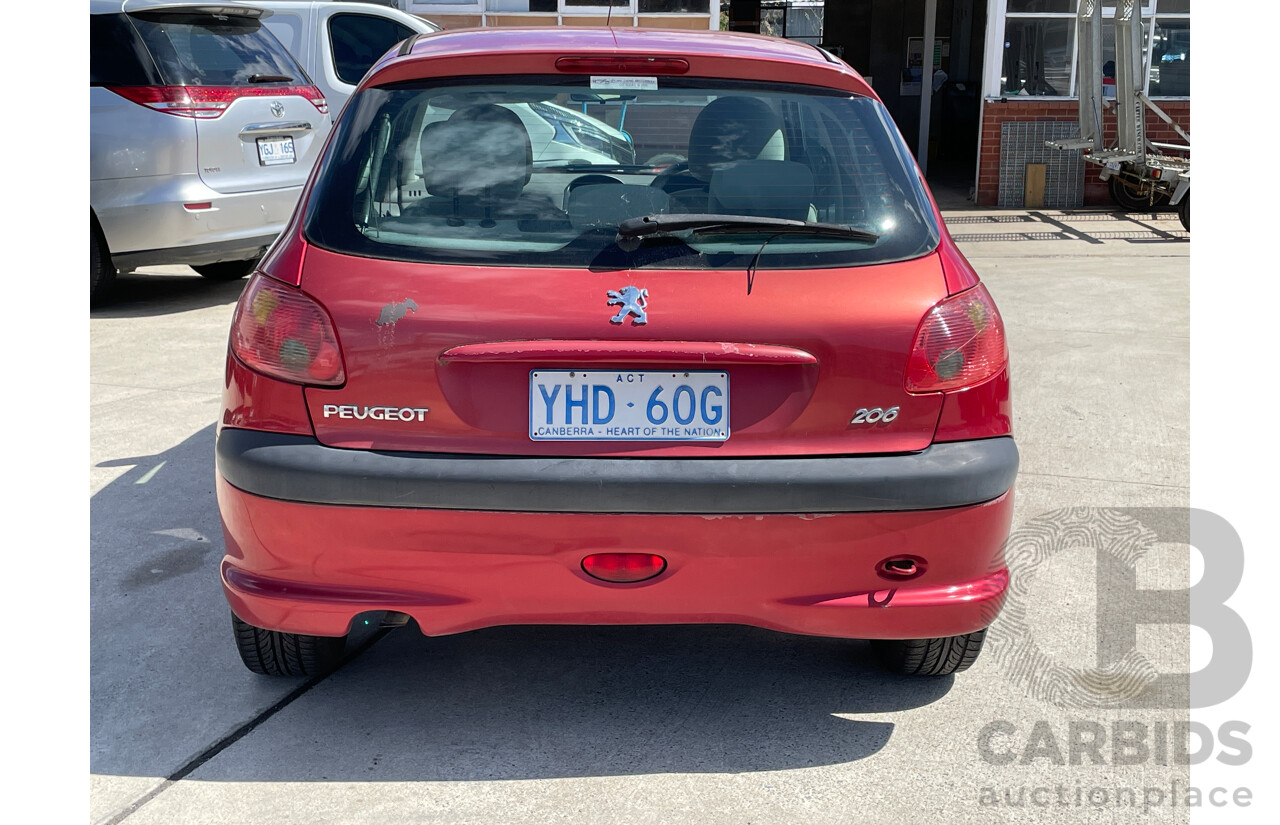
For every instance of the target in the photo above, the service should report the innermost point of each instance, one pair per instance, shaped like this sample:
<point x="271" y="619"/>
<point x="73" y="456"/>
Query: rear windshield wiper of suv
<point x="269" y="78"/>
<point x="632" y="230"/>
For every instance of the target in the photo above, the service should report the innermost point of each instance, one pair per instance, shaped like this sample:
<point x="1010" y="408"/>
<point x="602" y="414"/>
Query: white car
<point x="337" y="42"/>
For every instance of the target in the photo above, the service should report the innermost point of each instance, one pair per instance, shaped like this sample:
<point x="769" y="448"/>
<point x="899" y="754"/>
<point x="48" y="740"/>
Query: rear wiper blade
<point x="269" y="78"/>
<point x="645" y="226"/>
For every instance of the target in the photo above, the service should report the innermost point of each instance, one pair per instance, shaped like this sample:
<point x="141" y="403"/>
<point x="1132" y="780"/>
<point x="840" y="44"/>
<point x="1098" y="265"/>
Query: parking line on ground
<point x="242" y="731"/>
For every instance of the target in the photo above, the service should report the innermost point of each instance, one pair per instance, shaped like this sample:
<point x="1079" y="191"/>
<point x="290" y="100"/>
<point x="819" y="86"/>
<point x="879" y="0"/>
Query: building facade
<point x="1030" y="83"/>
<point x="1000" y="80"/>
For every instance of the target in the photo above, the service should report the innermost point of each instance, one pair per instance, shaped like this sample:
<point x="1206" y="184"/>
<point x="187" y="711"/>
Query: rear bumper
<point x="311" y="568"/>
<point x="299" y="468"/>
<point x="146" y="224"/>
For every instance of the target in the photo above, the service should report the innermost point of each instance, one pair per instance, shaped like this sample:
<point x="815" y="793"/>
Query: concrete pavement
<point x="634" y="725"/>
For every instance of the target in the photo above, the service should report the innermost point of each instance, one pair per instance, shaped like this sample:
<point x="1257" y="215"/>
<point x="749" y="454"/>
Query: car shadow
<point x="558" y="702"/>
<point x="164" y="290"/>
<point x="169" y="694"/>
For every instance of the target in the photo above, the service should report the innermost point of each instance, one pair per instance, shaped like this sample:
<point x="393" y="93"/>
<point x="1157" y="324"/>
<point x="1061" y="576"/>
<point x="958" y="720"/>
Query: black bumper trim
<point x="299" y="468"/>
<point x="239" y="249"/>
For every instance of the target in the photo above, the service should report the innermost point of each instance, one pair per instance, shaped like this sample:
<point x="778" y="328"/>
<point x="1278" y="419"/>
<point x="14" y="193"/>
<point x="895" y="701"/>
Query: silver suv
<point x="203" y="129"/>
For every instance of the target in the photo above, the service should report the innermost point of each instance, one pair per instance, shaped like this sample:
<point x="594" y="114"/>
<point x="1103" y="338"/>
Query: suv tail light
<point x="211" y="101"/>
<point x="280" y="331"/>
<point x="959" y="343"/>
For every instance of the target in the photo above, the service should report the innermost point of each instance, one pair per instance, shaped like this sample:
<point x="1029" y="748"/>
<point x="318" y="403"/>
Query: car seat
<point x="763" y="188"/>
<point x="480" y="159"/>
<point x="728" y="129"/>
<point x="476" y="165"/>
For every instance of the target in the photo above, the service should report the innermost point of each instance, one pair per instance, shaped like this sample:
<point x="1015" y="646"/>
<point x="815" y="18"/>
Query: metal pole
<point x="1089" y="88"/>
<point x="1131" y="127"/>
<point x="926" y="85"/>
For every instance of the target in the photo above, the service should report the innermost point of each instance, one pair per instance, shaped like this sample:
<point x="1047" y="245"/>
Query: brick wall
<point x="997" y="112"/>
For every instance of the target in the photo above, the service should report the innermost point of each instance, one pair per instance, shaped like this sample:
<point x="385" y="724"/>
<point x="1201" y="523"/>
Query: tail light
<point x="959" y="343"/>
<point x="205" y="102"/>
<point x="281" y="332"/>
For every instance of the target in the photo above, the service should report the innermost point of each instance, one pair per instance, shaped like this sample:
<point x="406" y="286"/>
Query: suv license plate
<point x="274" y="151"/>
<point x="628" y="405"/>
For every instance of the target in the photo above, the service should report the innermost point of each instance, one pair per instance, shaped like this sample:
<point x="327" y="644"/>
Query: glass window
<point x="1109" y="53"/>
<point x="1038" y="54"/>
<point x="1040" y="49"/>
<point x="204" y="50"/>
<point x="674" y="6"/>
<point x="1058" y="6"/>
<point x="540" y="171"/>
<point x="779" y="18"/>
<point x="524" y="5"/>
<point x="116" y="55"/>
<point x="623" y="3"/>
<point x="773" y="20"/>
<point x="359" y="40"/>
<point x="1171" y="58"/>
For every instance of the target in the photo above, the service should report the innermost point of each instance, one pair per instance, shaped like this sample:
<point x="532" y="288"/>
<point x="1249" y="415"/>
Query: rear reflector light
<point x="623" y="64"/>
<point x="196" y="207"/>
<point x="281" y="332"/>
<point x="207" y="102"/>
<point x="623" y="568"/>
<point x="960" y="343"/>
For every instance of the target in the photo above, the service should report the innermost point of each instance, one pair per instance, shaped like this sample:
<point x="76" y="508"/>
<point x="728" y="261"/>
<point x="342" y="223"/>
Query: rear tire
<point x="1184" y="211"/>
<point x="930" y="657"/>
<point x="1129" y="197"/>
<point x="101" y="271"/>
<point x="272" y="653"/>
<point x="226" y="270"/>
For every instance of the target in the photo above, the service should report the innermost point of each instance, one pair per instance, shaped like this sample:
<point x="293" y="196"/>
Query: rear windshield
<point x="214" y="50"/>
<point x="541" y="171"/>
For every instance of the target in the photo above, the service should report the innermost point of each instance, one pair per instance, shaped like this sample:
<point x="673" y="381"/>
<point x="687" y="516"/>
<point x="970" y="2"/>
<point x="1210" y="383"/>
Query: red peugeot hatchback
<point x="728" y="366"/>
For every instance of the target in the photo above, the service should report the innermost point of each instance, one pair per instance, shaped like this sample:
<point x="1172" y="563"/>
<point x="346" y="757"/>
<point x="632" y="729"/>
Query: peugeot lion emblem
<point x="633" y="300"/>
<point x="277" y="108"/>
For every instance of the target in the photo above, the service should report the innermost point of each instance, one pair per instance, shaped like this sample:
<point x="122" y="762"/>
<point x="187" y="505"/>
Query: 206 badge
<point x="633" y="301"/>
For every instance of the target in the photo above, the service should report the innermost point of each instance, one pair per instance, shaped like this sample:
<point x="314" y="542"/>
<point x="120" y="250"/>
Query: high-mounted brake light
<point x="959" y="343"/>
<point x="206" y="102"/>
<point x="280" y="331"/>
<point x="623" y="64"/>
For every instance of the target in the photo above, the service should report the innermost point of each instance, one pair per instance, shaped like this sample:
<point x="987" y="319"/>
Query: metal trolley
<point x="1140" y="174"/>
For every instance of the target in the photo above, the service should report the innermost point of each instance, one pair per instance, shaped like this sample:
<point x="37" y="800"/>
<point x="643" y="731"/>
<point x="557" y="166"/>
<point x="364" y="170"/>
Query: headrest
<point x="762" y="188"/>
<point x="480" y="151"/>
<point x="734" y="128"/>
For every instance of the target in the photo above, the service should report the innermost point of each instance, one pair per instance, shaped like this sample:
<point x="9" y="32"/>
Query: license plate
<point x="274" y="151"/>
<point x="628" y="405"/>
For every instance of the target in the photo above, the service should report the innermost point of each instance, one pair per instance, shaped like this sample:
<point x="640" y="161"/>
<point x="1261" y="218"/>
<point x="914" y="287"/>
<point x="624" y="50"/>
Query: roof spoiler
<point x="223" y="9"/>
